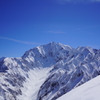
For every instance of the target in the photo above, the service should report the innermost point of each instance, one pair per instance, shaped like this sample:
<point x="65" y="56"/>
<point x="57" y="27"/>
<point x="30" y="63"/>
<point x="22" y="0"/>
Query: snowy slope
<point x="88" y="91"/>
<point x="33" y="83"/>
<point x="77" y="68"/>
<point x="48" y="71"/>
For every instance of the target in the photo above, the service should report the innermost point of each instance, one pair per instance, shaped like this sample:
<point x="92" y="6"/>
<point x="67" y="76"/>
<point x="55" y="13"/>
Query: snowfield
<point x="33" y="83"/>
<point x="88" y="91"/>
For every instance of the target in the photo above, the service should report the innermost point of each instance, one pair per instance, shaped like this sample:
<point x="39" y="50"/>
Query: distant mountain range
<point x="47" y="72"/>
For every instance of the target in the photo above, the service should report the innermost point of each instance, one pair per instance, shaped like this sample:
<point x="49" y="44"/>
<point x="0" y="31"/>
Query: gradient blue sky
<point x="25" y="24"/>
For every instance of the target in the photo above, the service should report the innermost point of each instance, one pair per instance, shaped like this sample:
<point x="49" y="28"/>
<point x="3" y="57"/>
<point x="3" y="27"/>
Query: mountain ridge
<point x="66" y="68"/>
<point x="88" y="91"/>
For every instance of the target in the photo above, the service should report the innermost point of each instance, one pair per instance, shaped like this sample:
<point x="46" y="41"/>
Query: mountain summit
<point x="47" y="72"/>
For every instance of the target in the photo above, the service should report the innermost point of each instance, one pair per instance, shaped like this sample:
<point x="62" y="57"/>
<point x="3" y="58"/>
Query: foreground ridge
<point x="88" y="91"/>
<point x="48" y="71"/>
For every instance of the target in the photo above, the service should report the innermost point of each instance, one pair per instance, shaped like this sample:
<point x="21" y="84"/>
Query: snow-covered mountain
<point x="46" y="72"/>
<point x="88" y="91"/>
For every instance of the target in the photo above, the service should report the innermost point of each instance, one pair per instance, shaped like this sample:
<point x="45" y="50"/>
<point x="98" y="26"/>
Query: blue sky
<point x="25" y="24"/>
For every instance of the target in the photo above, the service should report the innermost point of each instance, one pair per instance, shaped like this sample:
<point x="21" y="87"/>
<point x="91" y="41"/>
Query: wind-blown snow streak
<point x="24" y="42"/>
<point x="77" y="1"/>
<point x="81" y="0"/>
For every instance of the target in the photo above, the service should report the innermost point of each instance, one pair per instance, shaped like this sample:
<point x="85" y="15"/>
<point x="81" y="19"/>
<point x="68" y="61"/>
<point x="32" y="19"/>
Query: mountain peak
<point x="53" y="43"/>
<point x="47" y="49"/>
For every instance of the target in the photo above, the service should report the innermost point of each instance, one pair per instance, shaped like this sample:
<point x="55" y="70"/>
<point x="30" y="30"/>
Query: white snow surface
<point x="33" y="83"/>
<point x="88" y="91"/>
